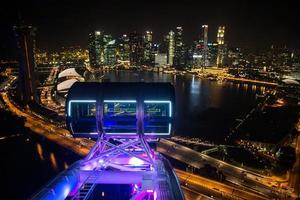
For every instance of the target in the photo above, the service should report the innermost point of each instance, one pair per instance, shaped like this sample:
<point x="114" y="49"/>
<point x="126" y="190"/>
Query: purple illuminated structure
<point x="121" y="164"/>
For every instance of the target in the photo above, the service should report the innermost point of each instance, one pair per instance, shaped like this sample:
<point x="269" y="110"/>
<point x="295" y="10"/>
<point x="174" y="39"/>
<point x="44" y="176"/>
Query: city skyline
<point x="149" y="100"/>
<point x="249" y="24"/>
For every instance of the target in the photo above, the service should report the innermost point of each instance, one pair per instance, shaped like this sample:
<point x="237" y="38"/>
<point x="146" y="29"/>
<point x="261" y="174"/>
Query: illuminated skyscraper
<point x="148" y="37"/>
<point x="108" y="57"/>
<point x="179" y="55"/>
<point x="213" y="53"/>
<point x="221" y="45"/>
<point x="148" y="53"/>
<point x="26" y="49"/>
<point x="136" y="48"/>
<point x="205" y="47"/>
<point x="124" y="48"/>
<point x="110" y="53"/>
<point x="205" y="34"/>
<point x="96" y="50"/>
<point x="220" y="35"/>
<point x="171" y="47"/>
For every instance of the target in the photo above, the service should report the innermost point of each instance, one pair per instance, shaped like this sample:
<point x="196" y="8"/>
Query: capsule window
<point x="83" y="116"/>
<point x="119" y="117"/>
<point x="157" y="117"/>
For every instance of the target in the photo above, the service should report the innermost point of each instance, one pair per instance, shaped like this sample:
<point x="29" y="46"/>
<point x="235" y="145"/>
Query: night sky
<point x="249" y="24"/>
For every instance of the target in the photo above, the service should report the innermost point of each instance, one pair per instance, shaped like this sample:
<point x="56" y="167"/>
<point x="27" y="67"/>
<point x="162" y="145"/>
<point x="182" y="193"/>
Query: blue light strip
<point x="78" y="101"/>
<point x="169" y="102"/>
<point x="119" y="101"/>
<point x="120" y="133"/>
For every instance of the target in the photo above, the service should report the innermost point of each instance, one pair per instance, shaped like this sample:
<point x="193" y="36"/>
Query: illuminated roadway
<point x="220" y="190"/>
<point x="243" y="80"/>
<point x="236" y="175"/>
<point x="50" y="131"/>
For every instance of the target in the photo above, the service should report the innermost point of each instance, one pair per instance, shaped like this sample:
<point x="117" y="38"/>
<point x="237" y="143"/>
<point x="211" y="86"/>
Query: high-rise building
<point x="96" y="50"/>
<point x="221" y="46"/>
<point x="220" y="35"/>
<point x="27" y="77"/>
<point x="179" y="53"/>
<point x="148" y="49"/>
<point x="205" y="42"/>
<point x="213" y="53"/>
<point x="136" y="48"/>
<point x="123" y="48"/>
<point x="171" y="47"/>
<point x="205" y="34"/>
<point x="110" y="53"/>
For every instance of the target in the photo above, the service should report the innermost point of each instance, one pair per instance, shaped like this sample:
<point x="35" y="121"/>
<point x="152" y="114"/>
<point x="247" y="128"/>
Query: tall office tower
<point x="220" y="35"/>
<point x="179" y="55"/>
<point x="213" y="53"/>
<point x="205" y="47"/>
<point x="123" y="48"/>
<point x="171" y="47"/>
<point x="148" y="51"/>
<point x="221" y="46"/>
<point x="205" y="34"/>
<point x="110" y="53"/>
<point x="96" y="48"/>
<point x="136" y="49"/>
<point x="25" y="36"/>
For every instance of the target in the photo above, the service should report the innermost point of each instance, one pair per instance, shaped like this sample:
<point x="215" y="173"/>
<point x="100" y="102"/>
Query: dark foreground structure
<point x="124" y="118"/>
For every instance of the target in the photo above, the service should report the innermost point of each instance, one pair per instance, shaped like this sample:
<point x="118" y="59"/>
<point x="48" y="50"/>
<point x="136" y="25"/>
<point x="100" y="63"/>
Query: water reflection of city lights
<point x="195" y="86"/>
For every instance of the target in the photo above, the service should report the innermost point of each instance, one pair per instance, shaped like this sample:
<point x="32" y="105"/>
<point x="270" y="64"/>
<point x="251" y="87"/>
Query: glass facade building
<point x="179" y="53"/>
<point x="96" y="48"/>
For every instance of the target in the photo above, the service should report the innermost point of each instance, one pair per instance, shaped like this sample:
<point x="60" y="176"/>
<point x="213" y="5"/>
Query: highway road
<point x="46" y="93"/>
<point x="193" y="195"/>
<point x="221" y="191"/>
<point x="244" y="80"/>
<point x="256" y="182"/>
<point x="4" y="86"/>
<point x="50" y="131"/>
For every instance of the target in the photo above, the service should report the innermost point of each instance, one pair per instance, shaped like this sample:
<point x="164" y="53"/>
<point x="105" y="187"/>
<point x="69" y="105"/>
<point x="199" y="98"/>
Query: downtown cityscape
<point x="149" y="100"/>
